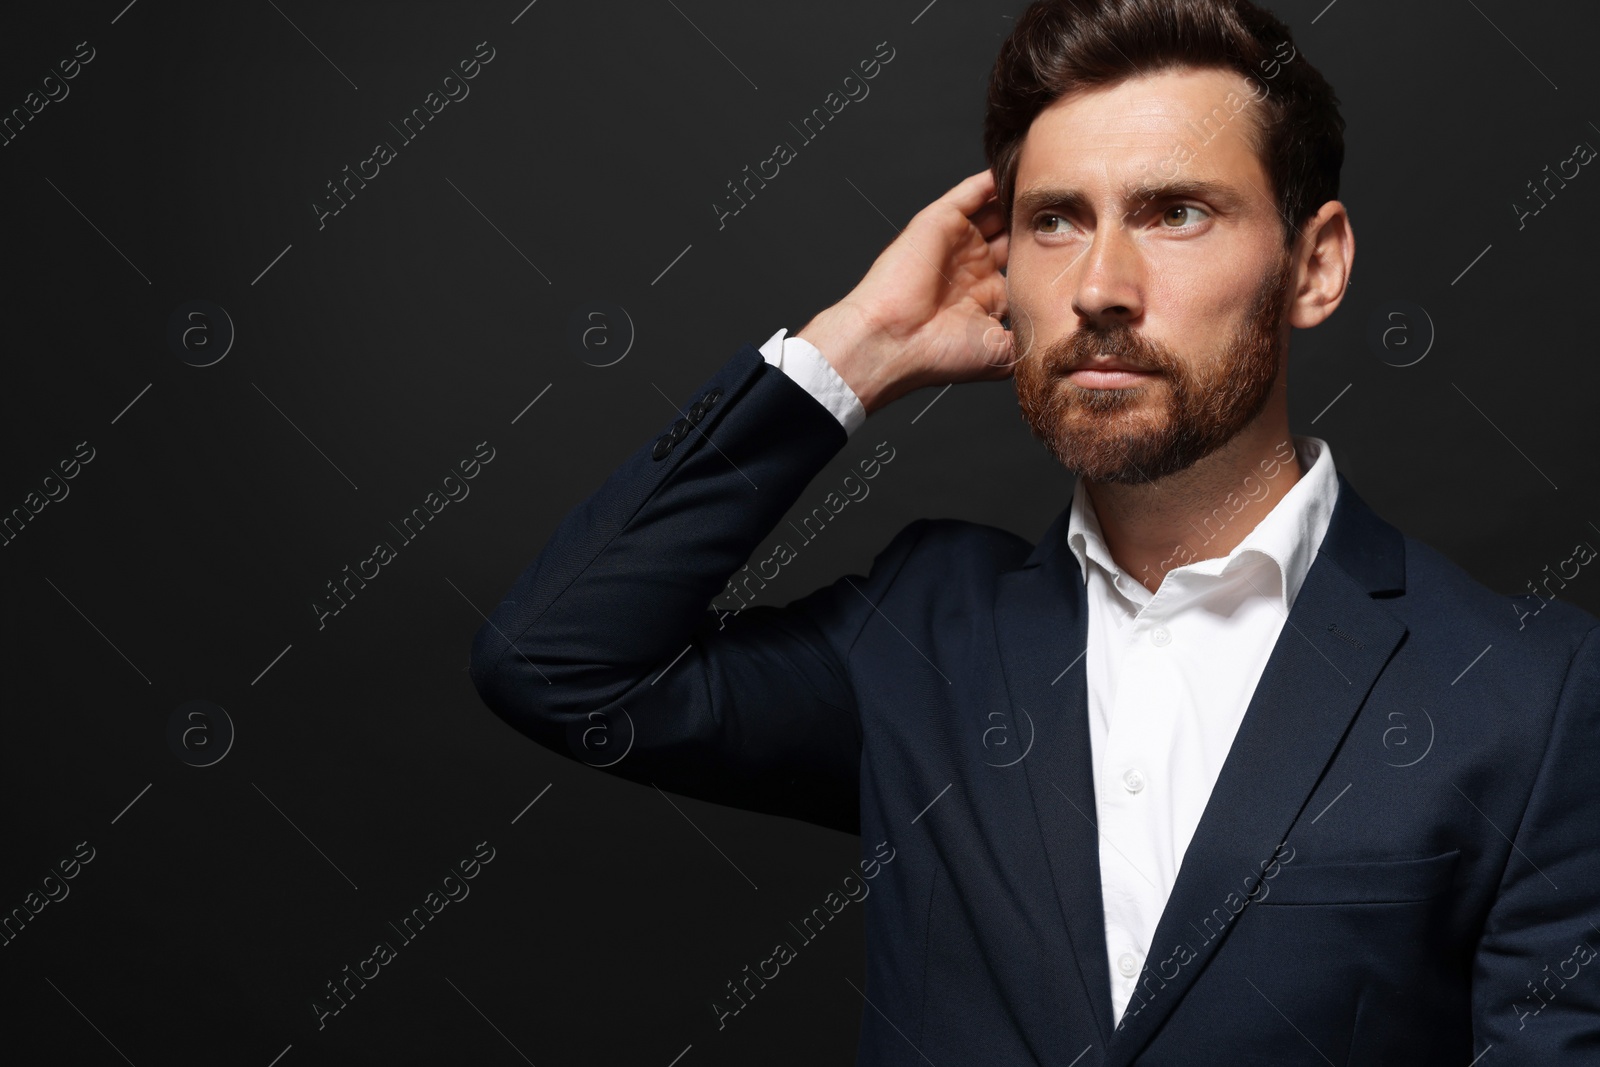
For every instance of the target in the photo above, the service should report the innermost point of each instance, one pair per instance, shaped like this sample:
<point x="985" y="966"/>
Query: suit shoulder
<point x="951" y="562"/>
<point x="960" y="547"/>
<point x="1440" y="588"/>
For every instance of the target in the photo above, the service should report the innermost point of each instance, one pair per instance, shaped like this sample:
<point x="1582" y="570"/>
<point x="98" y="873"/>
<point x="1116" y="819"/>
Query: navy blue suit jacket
<point x="1398" y="863"/>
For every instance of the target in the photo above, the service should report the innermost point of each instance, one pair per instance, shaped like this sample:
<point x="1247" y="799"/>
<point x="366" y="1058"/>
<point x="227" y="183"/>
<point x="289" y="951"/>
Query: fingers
<point x="972" y="192"/>
<point x="999" y="353"/>
<point x="989" y="219"/>
<point x="1000" y="248"/>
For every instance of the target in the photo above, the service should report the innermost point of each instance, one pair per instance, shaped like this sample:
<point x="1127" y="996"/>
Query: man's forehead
<point x="1198" y="121"/>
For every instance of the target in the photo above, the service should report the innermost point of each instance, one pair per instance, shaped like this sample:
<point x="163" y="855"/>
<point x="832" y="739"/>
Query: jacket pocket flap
<point x="1367" y="882"/>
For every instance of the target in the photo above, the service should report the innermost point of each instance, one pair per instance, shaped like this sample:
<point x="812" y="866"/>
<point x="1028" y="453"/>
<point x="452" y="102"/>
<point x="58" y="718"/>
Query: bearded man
<point x="1210" y="848"/>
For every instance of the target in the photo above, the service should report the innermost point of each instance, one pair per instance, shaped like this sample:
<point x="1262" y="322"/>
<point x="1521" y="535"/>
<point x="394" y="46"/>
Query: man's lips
<point x="1107" y="374"/>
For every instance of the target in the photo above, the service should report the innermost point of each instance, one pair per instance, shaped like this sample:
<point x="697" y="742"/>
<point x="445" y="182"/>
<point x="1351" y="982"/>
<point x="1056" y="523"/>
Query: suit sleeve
<point x="1536" y="976"/>
<point x="606" y="649"/>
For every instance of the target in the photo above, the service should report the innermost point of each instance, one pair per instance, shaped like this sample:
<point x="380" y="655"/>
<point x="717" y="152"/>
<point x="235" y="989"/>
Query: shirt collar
<point x="1288" y="536"/>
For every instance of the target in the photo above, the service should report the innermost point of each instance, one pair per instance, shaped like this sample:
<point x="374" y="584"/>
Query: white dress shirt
<point x="1169" y="674"/>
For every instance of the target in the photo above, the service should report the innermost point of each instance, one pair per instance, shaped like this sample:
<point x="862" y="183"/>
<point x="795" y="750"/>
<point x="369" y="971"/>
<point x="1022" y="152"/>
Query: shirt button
<point x="1132" y="780"/>
<point x="1128" y="965"/>
<point x="1159" y="636"/>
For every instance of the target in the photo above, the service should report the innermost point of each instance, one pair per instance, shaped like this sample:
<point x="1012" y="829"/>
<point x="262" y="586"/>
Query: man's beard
<point x="1099" y="434"/>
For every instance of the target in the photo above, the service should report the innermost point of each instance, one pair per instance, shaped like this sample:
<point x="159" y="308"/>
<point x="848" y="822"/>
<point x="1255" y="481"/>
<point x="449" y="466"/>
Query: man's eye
<point x="1174" y="214"/>
<point x="1043" y="219"/>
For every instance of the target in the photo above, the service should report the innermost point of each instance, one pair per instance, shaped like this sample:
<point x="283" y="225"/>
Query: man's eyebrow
<point x="1224" y="197"/>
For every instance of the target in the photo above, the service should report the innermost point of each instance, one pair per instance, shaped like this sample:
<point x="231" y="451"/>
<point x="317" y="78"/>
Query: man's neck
<point x="1199" y="513"/>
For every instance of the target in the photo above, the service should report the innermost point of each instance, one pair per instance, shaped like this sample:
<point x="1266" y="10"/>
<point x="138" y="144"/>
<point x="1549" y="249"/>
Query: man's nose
<point x="1107" y="282"/>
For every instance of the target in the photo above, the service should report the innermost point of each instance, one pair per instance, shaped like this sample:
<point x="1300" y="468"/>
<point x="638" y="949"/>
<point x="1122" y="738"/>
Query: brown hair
<point x="1061" y="46"/>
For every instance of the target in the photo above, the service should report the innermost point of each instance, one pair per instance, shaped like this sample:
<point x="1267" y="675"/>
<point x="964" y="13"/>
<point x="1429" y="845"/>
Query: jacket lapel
<point x="1310" y="690"/>
<point x="1041" y="619"/>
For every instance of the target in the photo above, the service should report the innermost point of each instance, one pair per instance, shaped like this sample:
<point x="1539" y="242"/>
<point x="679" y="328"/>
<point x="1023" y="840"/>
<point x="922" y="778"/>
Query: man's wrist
<point x="851" y="344"/>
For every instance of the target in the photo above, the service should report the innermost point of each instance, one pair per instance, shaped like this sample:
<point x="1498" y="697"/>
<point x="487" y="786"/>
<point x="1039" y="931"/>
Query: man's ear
<point x="1326" y="253"/>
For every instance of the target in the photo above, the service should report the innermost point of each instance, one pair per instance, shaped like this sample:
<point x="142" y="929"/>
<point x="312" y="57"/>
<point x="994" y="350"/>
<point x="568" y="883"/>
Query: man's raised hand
<point x="926" y="312"/>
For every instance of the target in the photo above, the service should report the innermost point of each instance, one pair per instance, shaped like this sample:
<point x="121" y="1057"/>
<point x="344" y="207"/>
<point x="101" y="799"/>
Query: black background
<point x="374" y="353"/>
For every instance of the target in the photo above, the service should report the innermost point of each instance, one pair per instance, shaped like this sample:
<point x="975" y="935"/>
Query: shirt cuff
<point x="805" y="364"/>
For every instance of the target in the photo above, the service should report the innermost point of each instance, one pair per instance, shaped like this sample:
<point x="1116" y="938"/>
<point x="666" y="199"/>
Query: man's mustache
<point x="1083" y="347"/>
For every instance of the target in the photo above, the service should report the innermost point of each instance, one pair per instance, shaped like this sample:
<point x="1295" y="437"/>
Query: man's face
<point x="1112" y="264"/>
